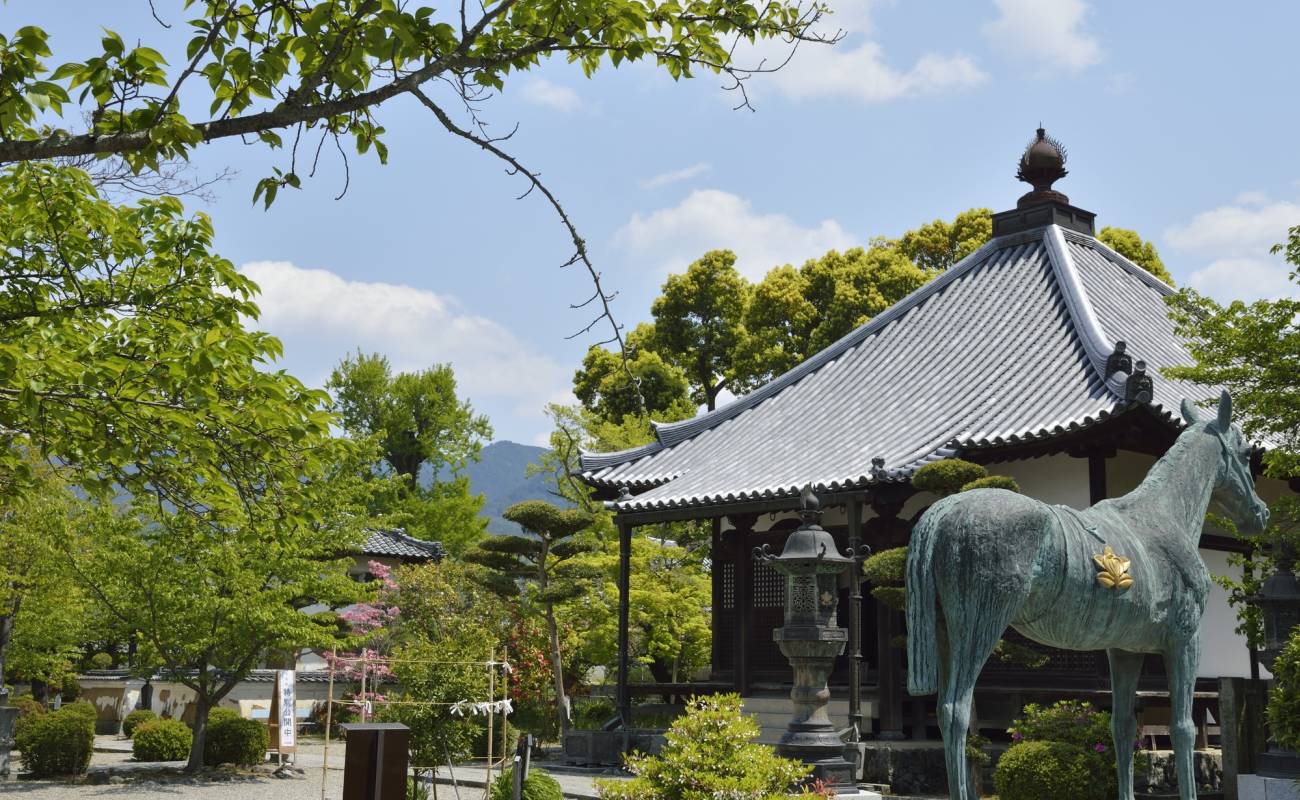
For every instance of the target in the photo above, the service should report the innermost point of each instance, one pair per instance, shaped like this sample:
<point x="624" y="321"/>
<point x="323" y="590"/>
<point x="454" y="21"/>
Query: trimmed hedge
<point x="231" y="739"/>
<point x="135" y="719"/>
<point x="1048" y="771"/>
<point x="28" y="707"/>
<point x="83" y="709"/>
<point x="58" y="743"/>
<point x="993" y="482"/>
<point x="947" y="476"/>
<point x="162" y="740"/>
<point x="537" y="786"/>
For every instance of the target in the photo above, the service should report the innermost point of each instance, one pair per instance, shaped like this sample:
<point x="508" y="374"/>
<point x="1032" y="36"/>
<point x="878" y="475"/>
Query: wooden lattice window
<point x="769" y="589"/>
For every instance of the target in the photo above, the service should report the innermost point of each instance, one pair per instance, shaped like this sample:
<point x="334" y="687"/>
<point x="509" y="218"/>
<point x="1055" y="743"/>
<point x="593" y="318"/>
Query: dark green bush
<point x="28" y="707"/>
<point x="162" y="740"/>
<point x="1284" y="698"/>
<point x="993" y="482"/>
<point x="886" y="568"/>
<point x="135" y="719"/>
<point x="947" y="477"/>
<point x="101" y="661"/>
<point x="58" y="743"/>
<point x="1049" y="771"/>
<point x="537" y="786"/>
<point x="1062" y="750"/>
<point x="592" y="714"/>
<point x="69" y="687"/>
<point x="83" y="709"/>
<point x="231" y="739"/>
<point x="219" y="713"/>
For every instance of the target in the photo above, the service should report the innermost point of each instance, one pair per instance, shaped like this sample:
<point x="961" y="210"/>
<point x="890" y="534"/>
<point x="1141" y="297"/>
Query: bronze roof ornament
<point x="1042" y="163"/>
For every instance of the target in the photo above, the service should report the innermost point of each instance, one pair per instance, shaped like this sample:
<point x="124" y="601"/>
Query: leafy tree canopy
<point x="937" y="245"/>
<point x="1250" y="349"/>
<point x="646" y="383"/>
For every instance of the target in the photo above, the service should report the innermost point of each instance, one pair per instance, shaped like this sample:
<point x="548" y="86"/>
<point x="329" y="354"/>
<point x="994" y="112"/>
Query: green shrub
<point x="1062" y="750"/>
<point x="135" y="719"/>
<point x="83" y="709"/>
<point x="28" y="707"/>
<point x="162" y="740"/>
<point x="69" y="687"/>
<point x="593" y="714"/>
<point x="537" y="786"/>
<point x="709" y="753"/>
<point x="101" y="661"/>
<point x="888" y="567"/>
<point x="947" y="476"/>
<point x="219" y="713"/>
<point x="993" y="482"/>
<point x="1049" y="771"/>
<point x="231" y="739"/>
<point x="1284" y="698"/>
<point x="415" y="790"/>
<point x="58" y="743"/>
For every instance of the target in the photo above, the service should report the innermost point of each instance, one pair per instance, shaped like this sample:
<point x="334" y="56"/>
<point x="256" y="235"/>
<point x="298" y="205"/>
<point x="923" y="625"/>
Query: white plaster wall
<point x="1223" y="650"/>
<point x="1056" y="478"/>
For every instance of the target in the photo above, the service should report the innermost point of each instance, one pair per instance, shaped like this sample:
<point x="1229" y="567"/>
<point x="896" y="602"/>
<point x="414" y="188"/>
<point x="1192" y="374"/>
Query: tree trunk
<point x="201" y="706"/>
<point x="557" y="671"/>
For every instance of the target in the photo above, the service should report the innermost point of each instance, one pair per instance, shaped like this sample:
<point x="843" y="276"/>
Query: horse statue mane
<point x="1124" y="575"/>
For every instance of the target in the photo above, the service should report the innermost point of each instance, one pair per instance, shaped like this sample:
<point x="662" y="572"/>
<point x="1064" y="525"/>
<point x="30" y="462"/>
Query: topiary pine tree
<point x="541" y="562"/>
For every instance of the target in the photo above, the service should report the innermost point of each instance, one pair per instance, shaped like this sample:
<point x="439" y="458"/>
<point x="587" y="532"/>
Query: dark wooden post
<point x="717" y="552"/>
<point x="886" y="530"/>
<point x="854" y="513"/>
<point x="1096" y="477"/>
<point x="742" y="552"/>
<point x="624" y="594"/>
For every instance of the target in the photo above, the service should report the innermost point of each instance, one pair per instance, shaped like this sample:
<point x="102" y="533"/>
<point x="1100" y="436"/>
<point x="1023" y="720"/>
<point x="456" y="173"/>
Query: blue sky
<point x="1179" y="117"/>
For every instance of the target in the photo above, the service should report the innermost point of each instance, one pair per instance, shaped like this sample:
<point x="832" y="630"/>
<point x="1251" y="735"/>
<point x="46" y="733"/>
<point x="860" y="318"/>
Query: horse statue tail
<point x="923" y="606"/>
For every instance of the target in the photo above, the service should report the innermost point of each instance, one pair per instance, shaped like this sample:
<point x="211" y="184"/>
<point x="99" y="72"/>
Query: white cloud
<point x="541" y="92"/>
<point x="860" y="71"/>
<point x="1247" y="228"/>
<point x="1049" y="32"/>
<point x="676" y="175"/>
<point x="321" y="316"/>
<point x="1244" y="279"/>
<point x="670" y="238"/>
<point x="1236" y="238"/>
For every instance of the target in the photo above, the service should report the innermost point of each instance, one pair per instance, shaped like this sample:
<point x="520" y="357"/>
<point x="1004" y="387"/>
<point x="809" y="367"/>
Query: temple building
<point x="1041" y="355"/>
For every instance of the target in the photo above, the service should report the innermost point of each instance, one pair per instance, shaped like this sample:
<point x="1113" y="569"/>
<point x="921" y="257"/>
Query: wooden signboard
<point x="283" y="717"/>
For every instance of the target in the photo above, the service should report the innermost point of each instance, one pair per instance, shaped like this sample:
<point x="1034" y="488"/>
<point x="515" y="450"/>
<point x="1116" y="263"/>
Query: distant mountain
<point x="499" y="477"/>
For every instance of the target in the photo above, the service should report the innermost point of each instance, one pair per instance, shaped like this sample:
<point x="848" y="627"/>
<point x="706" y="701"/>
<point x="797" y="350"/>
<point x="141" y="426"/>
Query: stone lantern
<point x="811" y="639"/>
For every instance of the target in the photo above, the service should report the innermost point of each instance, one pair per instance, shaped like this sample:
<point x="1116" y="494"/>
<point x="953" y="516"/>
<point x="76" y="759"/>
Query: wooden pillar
<point x="624" y="594"/>
<point x="717" y="553"/>
<point x="886" y="530"/>
<point x="742" y="552"/>
<point x="854" y="513"/>
<point x="1096" y="477"/>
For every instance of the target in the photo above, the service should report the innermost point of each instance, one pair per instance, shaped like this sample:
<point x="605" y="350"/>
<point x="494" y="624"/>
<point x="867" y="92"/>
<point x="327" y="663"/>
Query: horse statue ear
<point x="1224" y="420"/>
<point x="1189" y="412"/>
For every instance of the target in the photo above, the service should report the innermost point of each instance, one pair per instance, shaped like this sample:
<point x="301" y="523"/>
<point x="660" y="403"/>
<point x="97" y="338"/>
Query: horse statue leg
<point x="1182" y="661"/>
<point x="1125" y="669"/>
<point x="965" y="644"/>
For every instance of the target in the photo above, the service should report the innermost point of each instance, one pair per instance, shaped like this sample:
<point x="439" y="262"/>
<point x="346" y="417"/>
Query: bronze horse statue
<point x="1124" y="575"/>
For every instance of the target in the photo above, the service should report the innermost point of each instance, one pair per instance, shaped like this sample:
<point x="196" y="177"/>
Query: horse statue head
<point x="1234" y="491"/>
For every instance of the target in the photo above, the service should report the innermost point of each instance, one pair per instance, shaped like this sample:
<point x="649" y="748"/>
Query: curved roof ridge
<point x="1096" y="343"/>
<point x="669" y="434"/>
<point x="1122" y="261"/>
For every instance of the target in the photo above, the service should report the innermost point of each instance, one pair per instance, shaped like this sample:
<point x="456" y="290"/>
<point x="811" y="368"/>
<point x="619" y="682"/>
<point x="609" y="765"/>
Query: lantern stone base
<point x="1258" y="787"/>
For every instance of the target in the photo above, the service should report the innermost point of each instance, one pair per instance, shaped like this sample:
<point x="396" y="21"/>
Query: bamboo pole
<point x="492" y="697"/>
<point x="329" y="719"/>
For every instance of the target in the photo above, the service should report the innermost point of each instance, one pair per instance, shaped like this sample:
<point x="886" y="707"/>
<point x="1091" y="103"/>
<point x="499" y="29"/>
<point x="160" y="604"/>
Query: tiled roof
<point x="1010" y="345"/>
<point x="397" y="544"/>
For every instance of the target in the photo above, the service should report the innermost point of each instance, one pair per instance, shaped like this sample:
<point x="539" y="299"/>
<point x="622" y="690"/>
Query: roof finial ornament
<point x="1138" y="387"/>
<point x="1042" y="163"/>
<point x="810" y="508"/>
<point x="1119" y="360"/>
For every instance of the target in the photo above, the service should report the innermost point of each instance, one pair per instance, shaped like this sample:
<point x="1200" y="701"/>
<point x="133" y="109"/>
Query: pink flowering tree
<point x="370" y="624"/>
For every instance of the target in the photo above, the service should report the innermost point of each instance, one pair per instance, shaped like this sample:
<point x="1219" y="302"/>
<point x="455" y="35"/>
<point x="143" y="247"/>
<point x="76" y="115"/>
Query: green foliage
<point x="795" y="313"/>
<point x="937" y="245"/>
<point x="886" y="567"/>
<point x="136" y="718"/>
<point x="28" y="707"/>
<point x="537" y="786"/>
<point x="894" y="597"/>
<point x="1130" y="245"/>
<point x="162" y="740"/>
<point x="699" y="324"/>
<point x="82" y="709"/>
<point x="993" y="482"/>
<point x="57" y="743"/>
<point x="101" y="661"/>
<point x="231" y="739"/>
<point x="648" y="385"/>
<point x="420" y="426"/>
<point x="330" y="66"/>
<point x="1047" y="770"/>
<point x="947" y="477"/>
<point x="1251" y="350"/>
<point x="1062" y="750"/>
<point x="708" y="754"/>
<point x="1284" y="698"/>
